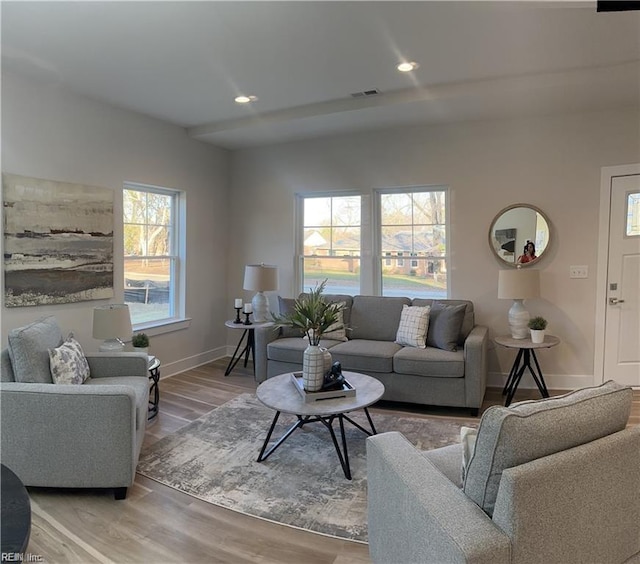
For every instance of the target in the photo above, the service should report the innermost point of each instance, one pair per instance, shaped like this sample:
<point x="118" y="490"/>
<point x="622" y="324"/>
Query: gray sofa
<point x="71" y="435"/>
<point x="430" y="376"/>
<point x="552" y="481"/>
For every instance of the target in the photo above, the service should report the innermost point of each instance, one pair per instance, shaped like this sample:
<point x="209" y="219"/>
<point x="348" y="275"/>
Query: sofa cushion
<point x="431" y="362"/>
<point x="469" y="316"/>
<point x="285" y="307"/>
<point x="29" y="350"/>
<point x="364" y="355"/>
<point x="412" y="330"/>
<point x="68" y="364"/>
<point x="445" y="322"/>
<point x="376" y="318"/>
<point x="337" y="331"/>
<point x="290" y="349"/>
<point x="526" y="431"/>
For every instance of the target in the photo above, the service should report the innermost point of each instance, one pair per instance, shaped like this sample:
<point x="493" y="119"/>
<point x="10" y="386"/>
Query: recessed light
<point x="407" y="66"/>
<point x="245" y="99"/>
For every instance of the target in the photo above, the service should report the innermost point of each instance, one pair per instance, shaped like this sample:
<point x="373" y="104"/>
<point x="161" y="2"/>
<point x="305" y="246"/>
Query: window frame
<point x="371" y="256"/>
<point x="378" y="256"/>
<point x="177" y="247"/>
<point x="300" y="227"/>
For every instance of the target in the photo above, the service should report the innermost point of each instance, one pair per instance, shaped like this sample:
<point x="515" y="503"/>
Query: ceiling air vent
<point x="366" y="93"/>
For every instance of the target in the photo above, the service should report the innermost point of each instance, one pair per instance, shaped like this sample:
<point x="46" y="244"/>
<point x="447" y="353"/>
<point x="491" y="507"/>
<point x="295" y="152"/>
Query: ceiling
<point x="185" y="62"/>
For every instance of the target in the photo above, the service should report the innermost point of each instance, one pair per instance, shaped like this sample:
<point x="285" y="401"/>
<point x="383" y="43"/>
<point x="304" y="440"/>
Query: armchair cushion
<point x="528" y="430"/>
<point x="68" y="363"/>
<point x="29" y="350"/>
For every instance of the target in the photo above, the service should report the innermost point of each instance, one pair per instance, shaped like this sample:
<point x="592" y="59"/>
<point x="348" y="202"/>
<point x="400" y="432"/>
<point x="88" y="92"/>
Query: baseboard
<point x="173" y="368"/>
<point x="553" y="381"/>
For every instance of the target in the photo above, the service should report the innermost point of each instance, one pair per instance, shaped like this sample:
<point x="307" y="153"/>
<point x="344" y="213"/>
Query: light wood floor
<point x="156" y="524"/>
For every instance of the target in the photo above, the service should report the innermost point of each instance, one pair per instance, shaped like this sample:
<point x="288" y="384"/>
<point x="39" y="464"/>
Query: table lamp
<point x="518" y="284"/>
<point x="112" y="323"/>
<point x="260" y="278"/>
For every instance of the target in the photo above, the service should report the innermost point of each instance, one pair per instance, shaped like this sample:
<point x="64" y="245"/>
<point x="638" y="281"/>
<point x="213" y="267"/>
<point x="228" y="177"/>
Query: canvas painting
<point x="58" y="242"/>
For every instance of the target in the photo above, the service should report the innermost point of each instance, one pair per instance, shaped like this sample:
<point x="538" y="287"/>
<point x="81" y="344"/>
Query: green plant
<point x="537" y="323"/>
<point x="312" y="314"/>
<point x="140" y="340"/>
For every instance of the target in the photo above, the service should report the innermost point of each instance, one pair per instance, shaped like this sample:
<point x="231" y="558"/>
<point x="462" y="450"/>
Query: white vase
<point x="537" y="335"/>
<point x="314" y="360"/>
<point x="144" y="350"/>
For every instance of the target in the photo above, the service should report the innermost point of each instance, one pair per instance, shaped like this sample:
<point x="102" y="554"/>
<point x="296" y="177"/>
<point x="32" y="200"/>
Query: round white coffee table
<point x="280" y="393"/>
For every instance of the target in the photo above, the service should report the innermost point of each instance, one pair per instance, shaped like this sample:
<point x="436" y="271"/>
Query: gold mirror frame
<point x="513" y="227"/>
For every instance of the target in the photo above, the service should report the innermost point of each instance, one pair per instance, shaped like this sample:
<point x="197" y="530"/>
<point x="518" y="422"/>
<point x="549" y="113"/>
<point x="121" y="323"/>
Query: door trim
<point x="606" y="179"/>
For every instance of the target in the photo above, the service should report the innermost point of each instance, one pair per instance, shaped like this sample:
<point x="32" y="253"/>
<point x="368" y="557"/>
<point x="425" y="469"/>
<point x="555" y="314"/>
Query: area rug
<point x="301" y="484"/>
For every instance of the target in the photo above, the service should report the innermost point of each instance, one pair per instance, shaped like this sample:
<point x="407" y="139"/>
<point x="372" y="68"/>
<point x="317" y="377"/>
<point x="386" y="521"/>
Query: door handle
<point x="615" y="301"/>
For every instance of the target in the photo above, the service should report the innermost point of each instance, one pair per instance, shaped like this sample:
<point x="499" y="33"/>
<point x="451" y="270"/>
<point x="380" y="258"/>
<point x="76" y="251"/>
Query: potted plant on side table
<point x="537" y="325"/>
<point x="314" y="316"/>
<point x="140" y="343"/>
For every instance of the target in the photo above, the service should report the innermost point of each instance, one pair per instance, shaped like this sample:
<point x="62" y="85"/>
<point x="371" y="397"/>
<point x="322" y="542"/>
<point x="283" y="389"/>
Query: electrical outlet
<point x="581" y="271"/>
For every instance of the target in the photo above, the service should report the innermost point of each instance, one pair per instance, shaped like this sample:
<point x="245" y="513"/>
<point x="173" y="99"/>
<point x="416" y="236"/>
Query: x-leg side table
<point x="526" y="352"/>
<point x="250" y="346"/>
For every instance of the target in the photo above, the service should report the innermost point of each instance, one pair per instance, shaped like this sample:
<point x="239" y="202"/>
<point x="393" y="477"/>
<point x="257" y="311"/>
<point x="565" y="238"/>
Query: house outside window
<point x="153" y="265"/>
<point x="413" y="223"/>
<point x="390" y="242"/>
<point x="330" y="242"/>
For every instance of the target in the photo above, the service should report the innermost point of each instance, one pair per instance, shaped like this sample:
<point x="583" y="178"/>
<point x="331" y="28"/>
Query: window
<point x="413" y="223"/>
<point x="330" y="242"/>
<point x="152" y="265"/>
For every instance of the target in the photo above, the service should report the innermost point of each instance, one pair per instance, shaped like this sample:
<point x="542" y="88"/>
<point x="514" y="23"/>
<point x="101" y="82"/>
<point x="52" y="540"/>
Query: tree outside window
<point x="150" y="253"/>
<point x="413" y="224"/>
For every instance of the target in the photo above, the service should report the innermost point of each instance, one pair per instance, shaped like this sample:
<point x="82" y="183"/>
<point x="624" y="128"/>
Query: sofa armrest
<point x="263" y="336"/>
<point x="69" y="435"/>
<point x="416" y="514"/>
<point x="577" y="505"/>
<point x="106" y="365"/>
<point x="475" y="366"/>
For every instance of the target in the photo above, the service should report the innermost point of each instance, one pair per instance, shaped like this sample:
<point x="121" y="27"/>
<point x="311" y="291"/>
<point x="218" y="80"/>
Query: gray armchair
<point x="550" y="481"/>
<point x="73" y="435"/>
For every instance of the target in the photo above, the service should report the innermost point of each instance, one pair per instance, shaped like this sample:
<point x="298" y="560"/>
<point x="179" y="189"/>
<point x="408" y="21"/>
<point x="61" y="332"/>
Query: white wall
<point x="553" y="163"/>
<point x="48" y="133"/>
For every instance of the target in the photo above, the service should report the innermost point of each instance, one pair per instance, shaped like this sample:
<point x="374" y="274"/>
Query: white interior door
<point x="622" y="313"/>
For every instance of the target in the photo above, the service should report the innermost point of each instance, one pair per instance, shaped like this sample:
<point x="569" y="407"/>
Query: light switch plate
<point x="580" y="271"/>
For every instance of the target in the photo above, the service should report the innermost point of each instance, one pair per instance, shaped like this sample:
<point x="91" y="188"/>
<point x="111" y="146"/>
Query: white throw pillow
<point x="68" y="363"/>
<point x="468" y="436"/>
<point x="414" y="323"/>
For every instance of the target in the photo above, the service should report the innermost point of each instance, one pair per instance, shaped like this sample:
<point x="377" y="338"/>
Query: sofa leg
<point x="120" y="493"/>
<point x="474" y="412"/>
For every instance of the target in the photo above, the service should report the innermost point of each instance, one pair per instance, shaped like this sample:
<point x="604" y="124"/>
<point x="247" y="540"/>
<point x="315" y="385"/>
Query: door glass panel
<point x="633" y="215"/>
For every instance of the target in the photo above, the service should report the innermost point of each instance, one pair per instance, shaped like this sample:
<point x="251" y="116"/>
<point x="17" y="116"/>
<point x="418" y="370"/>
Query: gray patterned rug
<point x="301" y="484"/>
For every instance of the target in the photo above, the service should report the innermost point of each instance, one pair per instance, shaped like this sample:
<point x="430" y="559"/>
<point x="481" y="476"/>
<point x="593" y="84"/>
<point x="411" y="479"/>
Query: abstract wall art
<point x="58" y="242"/>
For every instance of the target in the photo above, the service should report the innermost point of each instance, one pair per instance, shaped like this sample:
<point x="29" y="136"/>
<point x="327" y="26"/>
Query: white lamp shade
<point x="260" y="277"/>
<point x="518" y="284"/>
<point x="112" y="322"/>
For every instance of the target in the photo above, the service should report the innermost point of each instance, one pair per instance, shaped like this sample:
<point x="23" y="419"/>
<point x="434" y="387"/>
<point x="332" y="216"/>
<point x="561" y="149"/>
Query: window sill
<point x="162" y="327"/>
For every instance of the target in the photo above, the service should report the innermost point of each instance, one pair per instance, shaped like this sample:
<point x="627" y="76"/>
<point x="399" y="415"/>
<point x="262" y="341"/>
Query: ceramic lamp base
<point x="112" y="345"/>
<point x="260" y="306"/>
<point x="518" y="320"/>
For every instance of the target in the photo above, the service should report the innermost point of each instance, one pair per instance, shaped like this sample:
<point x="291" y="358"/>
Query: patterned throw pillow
<point x="414" y="322"/>
<point x="337" y="331"/>
<point x="68" y="363"/>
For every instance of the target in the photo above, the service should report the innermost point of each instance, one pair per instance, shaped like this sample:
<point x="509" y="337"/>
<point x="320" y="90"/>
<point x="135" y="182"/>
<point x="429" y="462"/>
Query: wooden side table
<point x="526" y="351"/>
<point x="250" y="347"/>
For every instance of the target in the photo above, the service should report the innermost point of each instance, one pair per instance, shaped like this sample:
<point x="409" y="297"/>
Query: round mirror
<point x="520" y="234"/>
